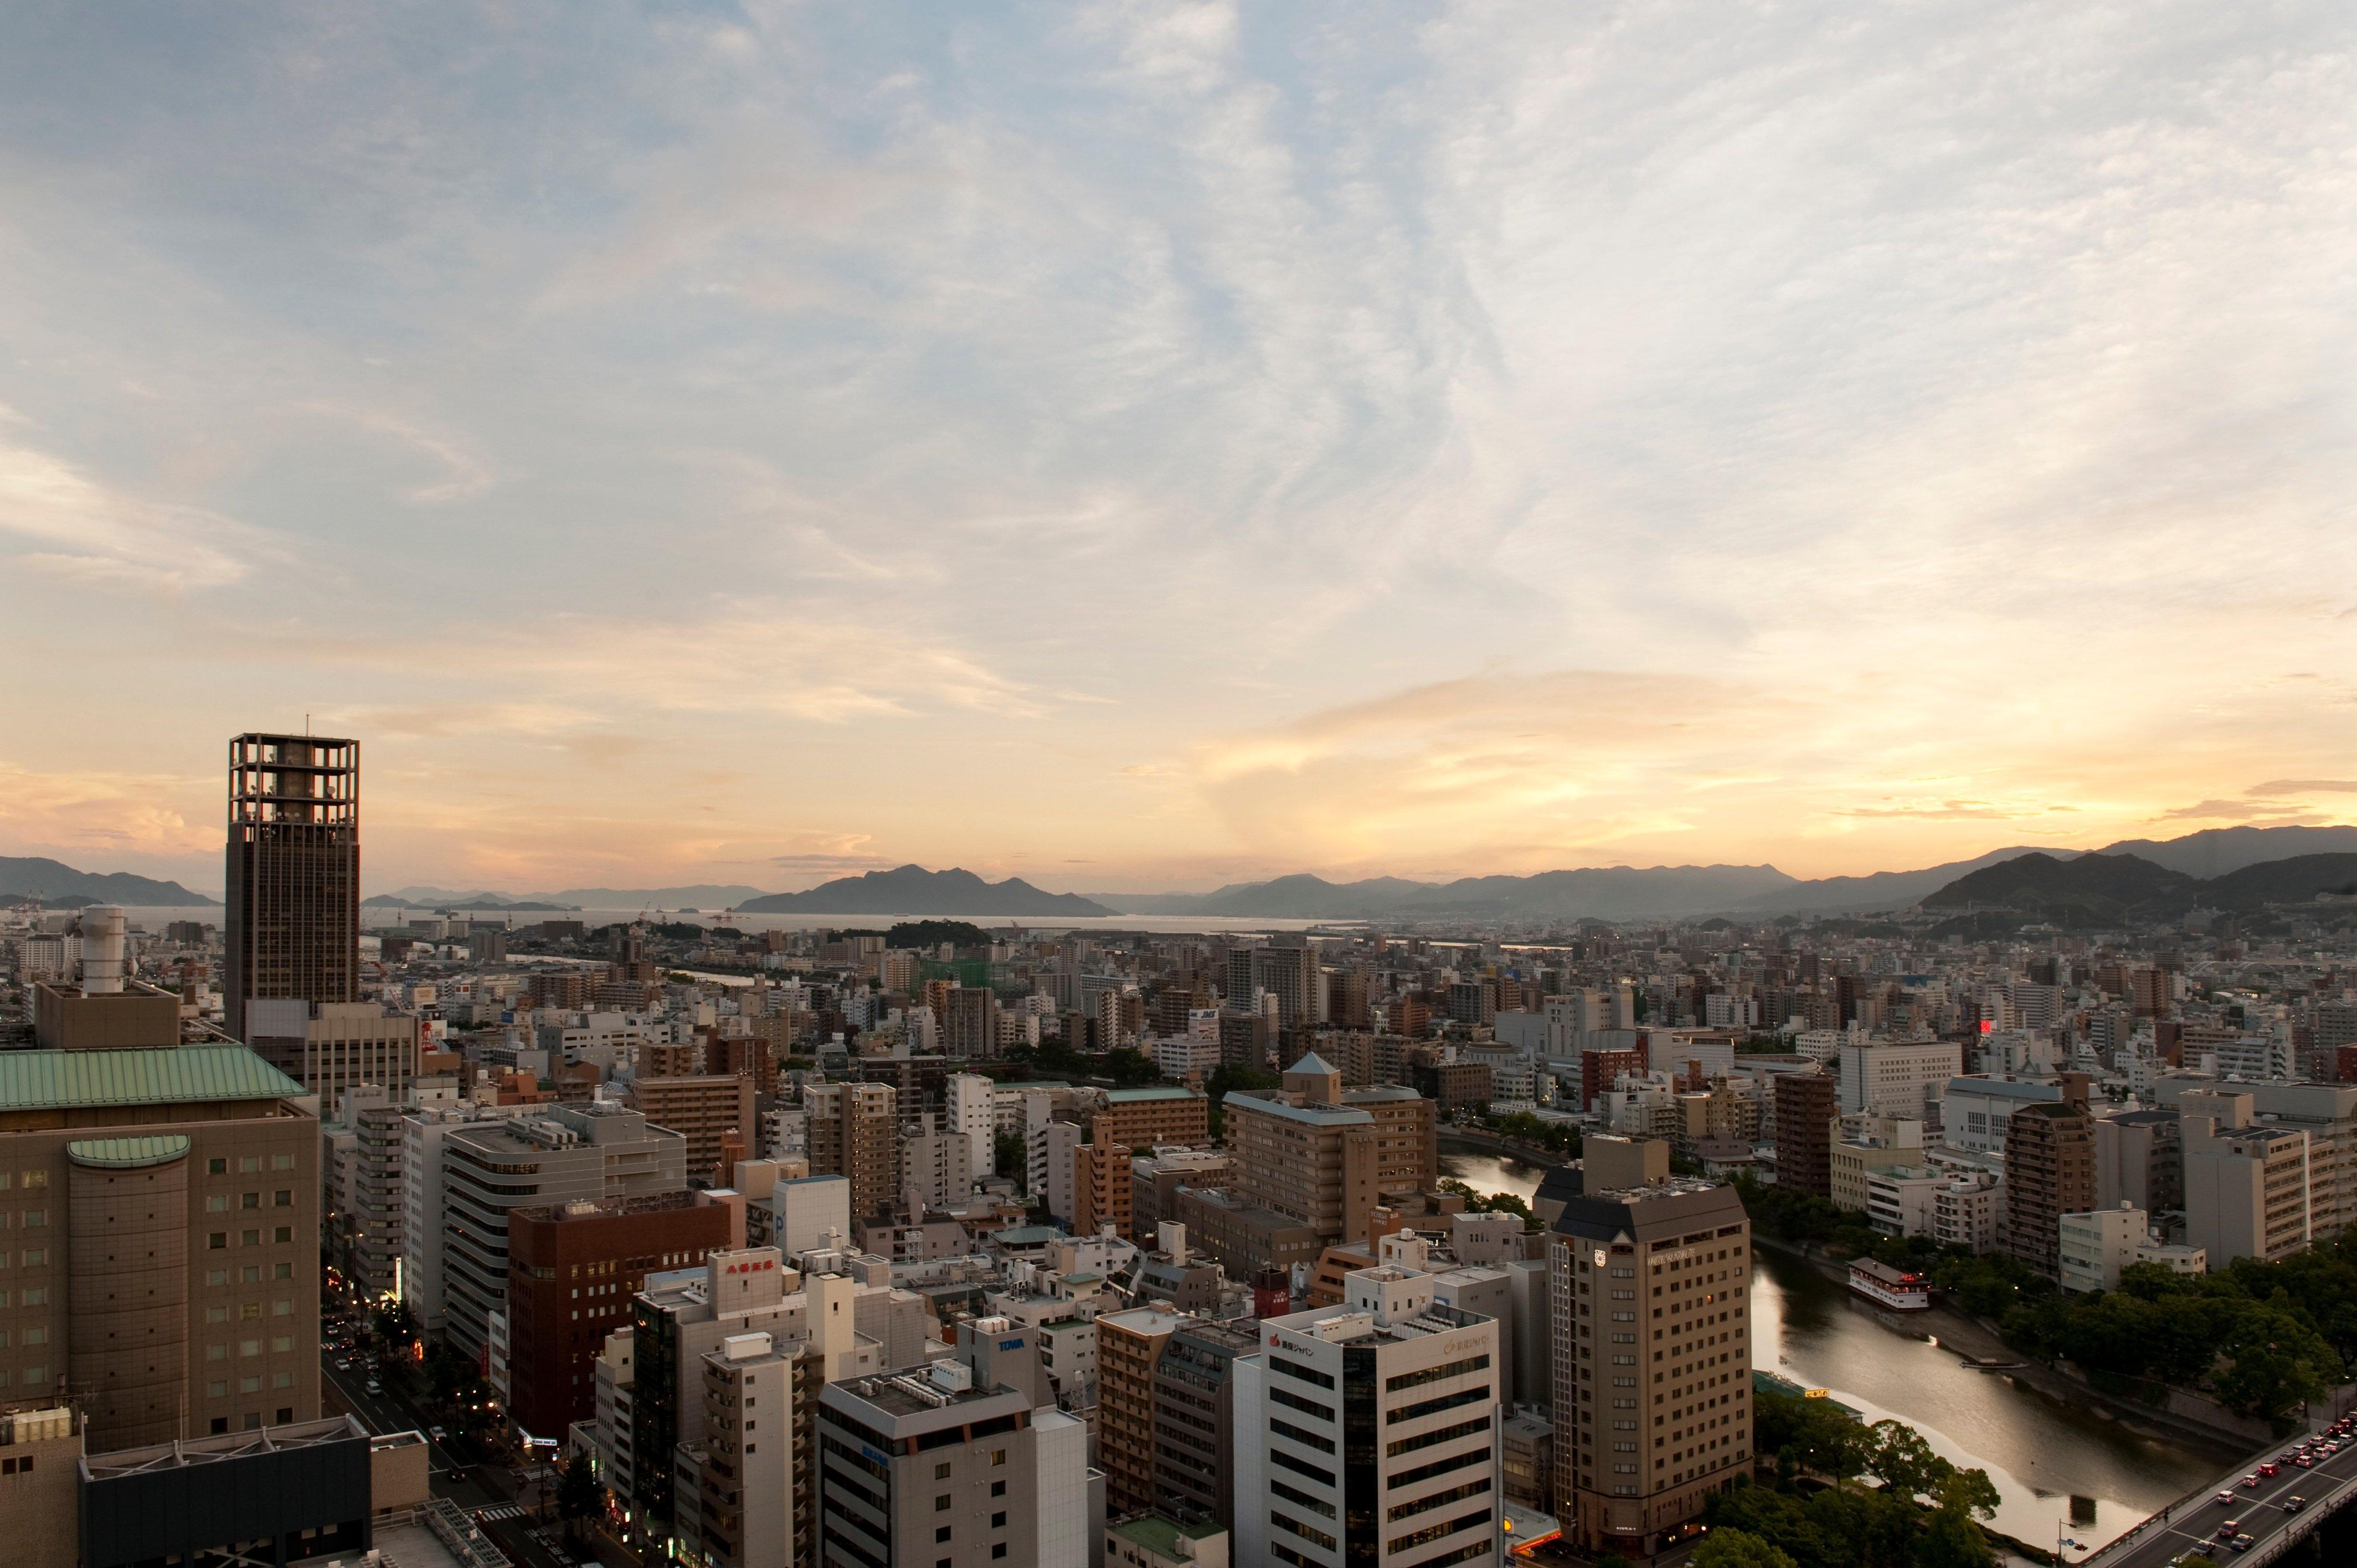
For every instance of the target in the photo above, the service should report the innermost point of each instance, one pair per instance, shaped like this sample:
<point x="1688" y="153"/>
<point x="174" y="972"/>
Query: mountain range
<point x="913" y="890"/>
<point x="60" y="885"/>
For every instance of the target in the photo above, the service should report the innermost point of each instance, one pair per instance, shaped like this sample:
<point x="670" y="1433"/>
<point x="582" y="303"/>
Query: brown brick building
<point x="1101" y="1189"/>
<point x="572" y="1270"/>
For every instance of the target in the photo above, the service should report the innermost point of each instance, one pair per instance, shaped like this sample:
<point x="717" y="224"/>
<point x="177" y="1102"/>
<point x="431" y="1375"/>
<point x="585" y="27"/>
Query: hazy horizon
<point x="1147" y="448"/>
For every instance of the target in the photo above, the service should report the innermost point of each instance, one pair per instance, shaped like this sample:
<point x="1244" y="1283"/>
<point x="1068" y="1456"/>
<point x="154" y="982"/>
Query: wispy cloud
<point x="81" y="529"/>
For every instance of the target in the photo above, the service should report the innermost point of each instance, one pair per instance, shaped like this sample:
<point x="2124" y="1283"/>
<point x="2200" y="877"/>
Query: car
<point x="375" y="1387"/>
<point x="2231" y="1529"/>
<point x="436" y="1433"/>
<point x="2294" y="1504"/>
<point x="2252" y="1479"/>
<point x="2243" y="1542"/>
<point x="2305" y="1463"/>
<point x="2226" y="1499"/>
<point x="2270" y="1468"/>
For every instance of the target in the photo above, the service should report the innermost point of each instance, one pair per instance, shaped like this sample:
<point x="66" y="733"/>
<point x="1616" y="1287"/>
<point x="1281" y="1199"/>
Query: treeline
<point x="1525" y="1128"/>
<point x="1921" y="1511"/>
<point x="2262" y="1337"/>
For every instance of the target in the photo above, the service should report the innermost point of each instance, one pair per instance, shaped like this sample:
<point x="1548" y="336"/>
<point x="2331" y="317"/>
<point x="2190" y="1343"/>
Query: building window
<point x="217" y="1240"/>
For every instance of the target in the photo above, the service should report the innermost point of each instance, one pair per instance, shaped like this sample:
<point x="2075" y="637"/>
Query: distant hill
<point x="2090" y="889"/>
<point x="478" y="902"/>
<point x="913" y="890"/>
<point x="2107" y="887"/>
<point x="2294" y="881"/>
<point x="2214" y="852"/>
<point x="32" y="876"/>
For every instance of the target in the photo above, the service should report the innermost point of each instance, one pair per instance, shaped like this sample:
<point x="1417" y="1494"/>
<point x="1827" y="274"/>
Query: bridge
<point x="2278" y="1513"/>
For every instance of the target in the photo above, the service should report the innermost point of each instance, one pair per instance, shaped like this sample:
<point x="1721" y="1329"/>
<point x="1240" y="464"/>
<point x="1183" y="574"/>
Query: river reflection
<point x="2050" y="1460"/>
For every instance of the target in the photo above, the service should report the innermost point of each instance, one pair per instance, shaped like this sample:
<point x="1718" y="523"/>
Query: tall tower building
<point x="1652" y="1359"/>
<point x="294" y="872"/>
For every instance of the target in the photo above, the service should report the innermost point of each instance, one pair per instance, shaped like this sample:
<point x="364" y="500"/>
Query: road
<point x="486" y="1490"/>
<point x="2259" y="1511"/>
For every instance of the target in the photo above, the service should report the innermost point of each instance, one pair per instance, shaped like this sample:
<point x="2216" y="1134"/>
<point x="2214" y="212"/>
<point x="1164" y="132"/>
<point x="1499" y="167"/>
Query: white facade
<point x="2096" y="1245"/>
<point x="1181" y="1056"/>
<point x="806" y="1210"/>
<point x="971" y="1113"/>
<point x="1430" y="1400"/>
<point x="1895" y="1080"/>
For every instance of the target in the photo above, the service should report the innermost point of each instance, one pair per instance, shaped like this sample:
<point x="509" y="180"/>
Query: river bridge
<point x="2277" y="1513"/>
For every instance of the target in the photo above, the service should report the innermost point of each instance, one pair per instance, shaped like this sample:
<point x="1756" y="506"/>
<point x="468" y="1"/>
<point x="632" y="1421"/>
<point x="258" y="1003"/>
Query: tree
<point x="578" y="1496"/>
<point x="1898" y="1457"/>
<point x="1011" y="1157"/>
<point x="1739" y="1549"/>
<point x="1953" y="1541"/>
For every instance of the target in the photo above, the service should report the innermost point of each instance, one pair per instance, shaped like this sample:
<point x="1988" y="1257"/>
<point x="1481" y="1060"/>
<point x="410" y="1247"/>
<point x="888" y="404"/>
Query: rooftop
<point x="1161" y="1092"/>
<point x="1160" y="1534"/>
<point x="46" y="1080"/>
<point x="126" y="1154"/>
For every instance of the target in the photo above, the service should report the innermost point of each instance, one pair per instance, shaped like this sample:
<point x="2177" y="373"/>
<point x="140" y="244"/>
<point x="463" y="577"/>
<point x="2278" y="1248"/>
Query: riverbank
<point x="1974" y="1341"/>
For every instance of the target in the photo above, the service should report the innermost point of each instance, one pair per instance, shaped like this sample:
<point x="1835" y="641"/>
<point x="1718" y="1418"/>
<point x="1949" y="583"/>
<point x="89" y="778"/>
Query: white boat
<point x="1886" y="1286"/>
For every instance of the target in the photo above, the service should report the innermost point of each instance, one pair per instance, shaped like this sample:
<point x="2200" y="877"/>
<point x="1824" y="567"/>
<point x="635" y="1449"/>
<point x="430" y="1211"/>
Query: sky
<point x="1144" y="447"/>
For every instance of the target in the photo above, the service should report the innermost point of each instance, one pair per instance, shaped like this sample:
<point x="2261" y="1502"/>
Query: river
<point x="2051" y="1461"/>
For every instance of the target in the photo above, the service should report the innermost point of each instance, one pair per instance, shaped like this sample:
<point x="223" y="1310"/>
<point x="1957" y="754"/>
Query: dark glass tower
<point x="293" y="877"/>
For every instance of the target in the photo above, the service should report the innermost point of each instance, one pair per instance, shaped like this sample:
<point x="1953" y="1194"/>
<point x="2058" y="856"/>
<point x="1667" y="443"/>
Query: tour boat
<point x="1886" y="1286"/>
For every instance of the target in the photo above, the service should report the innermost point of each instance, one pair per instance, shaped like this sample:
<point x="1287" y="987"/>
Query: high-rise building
<point x="1129" y="1351"/>
<point x="1101" y="1189"/>
<point x="1805" y="1119"/>
<point x="1150" y="1118"/>
<point x="855" y="1133"/>
<point x="1895" y="1080"/>
<point x="164" y="1240"/>
<point x="293" y="925"/>
<point x="1653" y="1414"/>
<point x="2050" y="1171"/>
<point x="334" y="1046"/>
<point x="1368" y="1432"/>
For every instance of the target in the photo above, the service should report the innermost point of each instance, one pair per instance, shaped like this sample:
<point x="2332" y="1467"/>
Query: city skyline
<point x="1140" y="451"/>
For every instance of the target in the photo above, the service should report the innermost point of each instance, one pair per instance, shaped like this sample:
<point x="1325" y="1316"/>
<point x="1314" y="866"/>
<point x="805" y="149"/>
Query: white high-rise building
<point x="971" y="1113"/>
<point x="1369" y="1432"/>
<point x="1897" y="1079"/>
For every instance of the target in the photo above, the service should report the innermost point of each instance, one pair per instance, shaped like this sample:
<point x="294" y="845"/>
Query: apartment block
<point x="710" y="1113"/>
<point x="2050" y="1171"/>
<point x="1145" y="1118"/>
<point x="1130" y="1347"/>
<point x="1806" y="1112"/>
<point x="854" y="1130"/>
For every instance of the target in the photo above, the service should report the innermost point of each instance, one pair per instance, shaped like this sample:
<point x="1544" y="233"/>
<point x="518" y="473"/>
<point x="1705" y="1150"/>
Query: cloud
<point x="86" y="531"/>
<point x="1947" y="812"/>
<point x="2235" y="811"/>
<point x="2305" y="786"/>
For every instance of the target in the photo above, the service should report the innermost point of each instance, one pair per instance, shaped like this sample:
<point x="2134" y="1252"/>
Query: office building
<point x="854" y="1132"/>
<point x="944" y="1463"/>
<point x="1155" y="1180"/>
<point x="463" y="1184"/>
<point x="40" y="1485"/>
<point x="2248" y="1188"/>
<point x="1807" y="1115"/>
<point x="1976" y="1111"/>
<point x="1327" y="1157"/>
<point x="573" y="1271"/>
<point x="1652" y="1415"/>
<point x="164" y="1240"/>
<point x="293" y="925"/>
<point x="1898" y="1081"/>
<point x="2050" y="1171"/>
<point x="936" y="1168"/>
<point x="2140" y="1161"/>
<point x="1286" y="969"/>
<point x="973" y="1110"/>
<point x="1368" y="1432"/>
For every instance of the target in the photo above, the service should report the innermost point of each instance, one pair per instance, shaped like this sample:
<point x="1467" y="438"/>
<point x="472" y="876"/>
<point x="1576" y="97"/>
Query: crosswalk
<point x="505" y="1510"/>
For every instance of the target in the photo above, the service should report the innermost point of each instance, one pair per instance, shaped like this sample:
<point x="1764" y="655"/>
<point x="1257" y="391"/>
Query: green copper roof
<point x="1160" y="1092"/>
<point x="45" y="1080"/>
<point x="126" y="1154"/>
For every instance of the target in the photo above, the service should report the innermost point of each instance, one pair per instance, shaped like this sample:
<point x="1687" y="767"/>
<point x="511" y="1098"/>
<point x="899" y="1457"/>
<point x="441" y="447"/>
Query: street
<point x="2258" y="1510"/>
